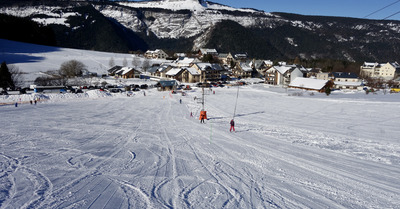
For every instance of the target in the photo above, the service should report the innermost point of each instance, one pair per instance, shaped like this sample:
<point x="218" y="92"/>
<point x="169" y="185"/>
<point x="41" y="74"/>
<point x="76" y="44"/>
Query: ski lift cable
<point x="391" y="15"/>
<point x="237" y="96"/>
<point x="383" y="9"/>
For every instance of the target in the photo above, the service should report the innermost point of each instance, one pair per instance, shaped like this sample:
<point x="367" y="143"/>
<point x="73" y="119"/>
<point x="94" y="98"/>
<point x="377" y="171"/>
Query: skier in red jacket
<point x="232" y="125"/>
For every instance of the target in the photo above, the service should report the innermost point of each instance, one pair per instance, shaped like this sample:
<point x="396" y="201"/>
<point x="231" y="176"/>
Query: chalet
<point x="204" y="51"/>
<point x="208" y="71"/>
<point x="113" y="70"/>
<point x="313" y="72"/>
<point x="175" y="73"/>
<point x="128" y="72"/>
<point x="185" y="61"/>
<point x="386" y="71"/>
<point x="159" y="71"/>
<point x="235" y="57"/>
<point x="260" y="66"/>
<point x="156" y="54"/>
<point x="344" y="77"/>
<point x="153" y="70"/>
<point x="191" y="75"/>
<point x="284" y="75"/>
<point x="242" y="70"/>
<point x="309" y="84"/>
<point x="346" y="80"/>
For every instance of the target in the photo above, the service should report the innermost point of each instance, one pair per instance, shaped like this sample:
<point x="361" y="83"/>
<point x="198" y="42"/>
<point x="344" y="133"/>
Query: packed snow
<point x="106" y="150"/>
<point x="291" y="149"/>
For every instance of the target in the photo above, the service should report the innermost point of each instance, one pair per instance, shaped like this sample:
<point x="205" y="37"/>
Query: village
<point x="208" y="68"/>
<point x="235" y="66"/>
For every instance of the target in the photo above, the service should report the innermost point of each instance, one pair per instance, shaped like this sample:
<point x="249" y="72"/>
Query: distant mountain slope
<point x="187" y="25"/>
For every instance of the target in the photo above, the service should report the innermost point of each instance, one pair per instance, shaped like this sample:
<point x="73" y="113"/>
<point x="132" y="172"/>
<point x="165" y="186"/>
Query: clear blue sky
<point x="342" y="8"/>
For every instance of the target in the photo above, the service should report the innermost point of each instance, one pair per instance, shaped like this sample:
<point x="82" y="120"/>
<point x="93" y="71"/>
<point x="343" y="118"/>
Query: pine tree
<point x="5" y="77"/>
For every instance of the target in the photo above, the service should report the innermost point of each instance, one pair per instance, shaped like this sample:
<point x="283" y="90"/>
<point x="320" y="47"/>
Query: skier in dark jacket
<point x="232" y="125"/>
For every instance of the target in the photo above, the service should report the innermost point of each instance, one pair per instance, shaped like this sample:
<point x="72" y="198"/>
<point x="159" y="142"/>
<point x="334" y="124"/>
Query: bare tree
<point x="124" y="62"/>
<point x="16" y="75"/>
<point x="135" y="62"/>
<point x="72" y="68"/>
<point x="145" y="65"/>
<point x="111" y="62"/>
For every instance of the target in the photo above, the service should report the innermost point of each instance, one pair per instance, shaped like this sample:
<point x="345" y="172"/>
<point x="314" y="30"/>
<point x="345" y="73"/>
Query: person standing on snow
<point x="232" y="125"/>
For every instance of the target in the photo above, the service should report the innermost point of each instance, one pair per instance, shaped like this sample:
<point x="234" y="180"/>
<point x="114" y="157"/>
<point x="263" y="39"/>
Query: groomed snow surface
<point x="290" y="150"/>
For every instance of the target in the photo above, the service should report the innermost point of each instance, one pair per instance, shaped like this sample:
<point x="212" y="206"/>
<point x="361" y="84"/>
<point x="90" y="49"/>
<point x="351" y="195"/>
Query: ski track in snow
<point x="147" y="152"/>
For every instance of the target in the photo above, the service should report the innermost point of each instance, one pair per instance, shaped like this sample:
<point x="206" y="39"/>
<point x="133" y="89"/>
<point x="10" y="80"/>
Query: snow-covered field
<point x="34" y="60"/>
<point x="291" y="149"/>
<point x="111" y="151"/>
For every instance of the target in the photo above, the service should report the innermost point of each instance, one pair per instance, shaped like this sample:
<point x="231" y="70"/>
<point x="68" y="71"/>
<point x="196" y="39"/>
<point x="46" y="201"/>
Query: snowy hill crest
<point x="183" y="25"/>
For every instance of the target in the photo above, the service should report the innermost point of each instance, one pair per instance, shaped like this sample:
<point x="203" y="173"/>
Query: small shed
<point x="168" y="85"/>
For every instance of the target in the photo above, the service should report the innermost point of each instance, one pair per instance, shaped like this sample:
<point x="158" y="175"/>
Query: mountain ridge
<point x="152" y="24"/>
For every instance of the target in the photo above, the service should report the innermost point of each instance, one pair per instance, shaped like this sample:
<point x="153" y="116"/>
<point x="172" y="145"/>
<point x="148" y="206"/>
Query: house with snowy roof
<point x="159" y="71"/>
<point x="235" y="57"/>
<point x="345" y="80"/>
<point x="242" y="70"/>
<point x="208" y="71"/>
<point x="309" y="84"/>
<point x="175" y="73"/>
<point x="156" y="54"/>
<point x="114" y="69"/>
<point x="386" y="71"/>
<point x="204" y="51"/>
<point x="185" y="61"/>
<point x="284" y="74"/>
<point x="260" y="66"/>
<point x="127" y="72"/>
<point x="191" y="75"/>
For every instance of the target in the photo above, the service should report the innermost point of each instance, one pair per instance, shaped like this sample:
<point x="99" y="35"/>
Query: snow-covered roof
<point x="185" y="61"/>
<point x="208" y="51"/>
<point x="153" y="69"/>
<point x="395" y="64"/>
<point x="162" y="68"/>
<point x="268" y="62"/>
<point x="282" y="69"/>
<point x="370" y="64"/>
<point x="124" y="70"/>
<point x="193" y="71"/>
<point x="308" y="83"/>
<point x="203" y="66"/>
<point x="246" y="67"/>
<point x="174" y="71"/>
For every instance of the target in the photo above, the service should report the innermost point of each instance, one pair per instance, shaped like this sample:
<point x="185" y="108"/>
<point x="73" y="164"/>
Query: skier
<point x="202" y="116"/>
<point x="180" y="101"/>
<point x="191" y="114"/>
<point x="232" y="126"/>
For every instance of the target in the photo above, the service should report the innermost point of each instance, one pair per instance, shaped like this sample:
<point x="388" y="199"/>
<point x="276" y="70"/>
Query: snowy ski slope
<point x="98" y="151"/>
